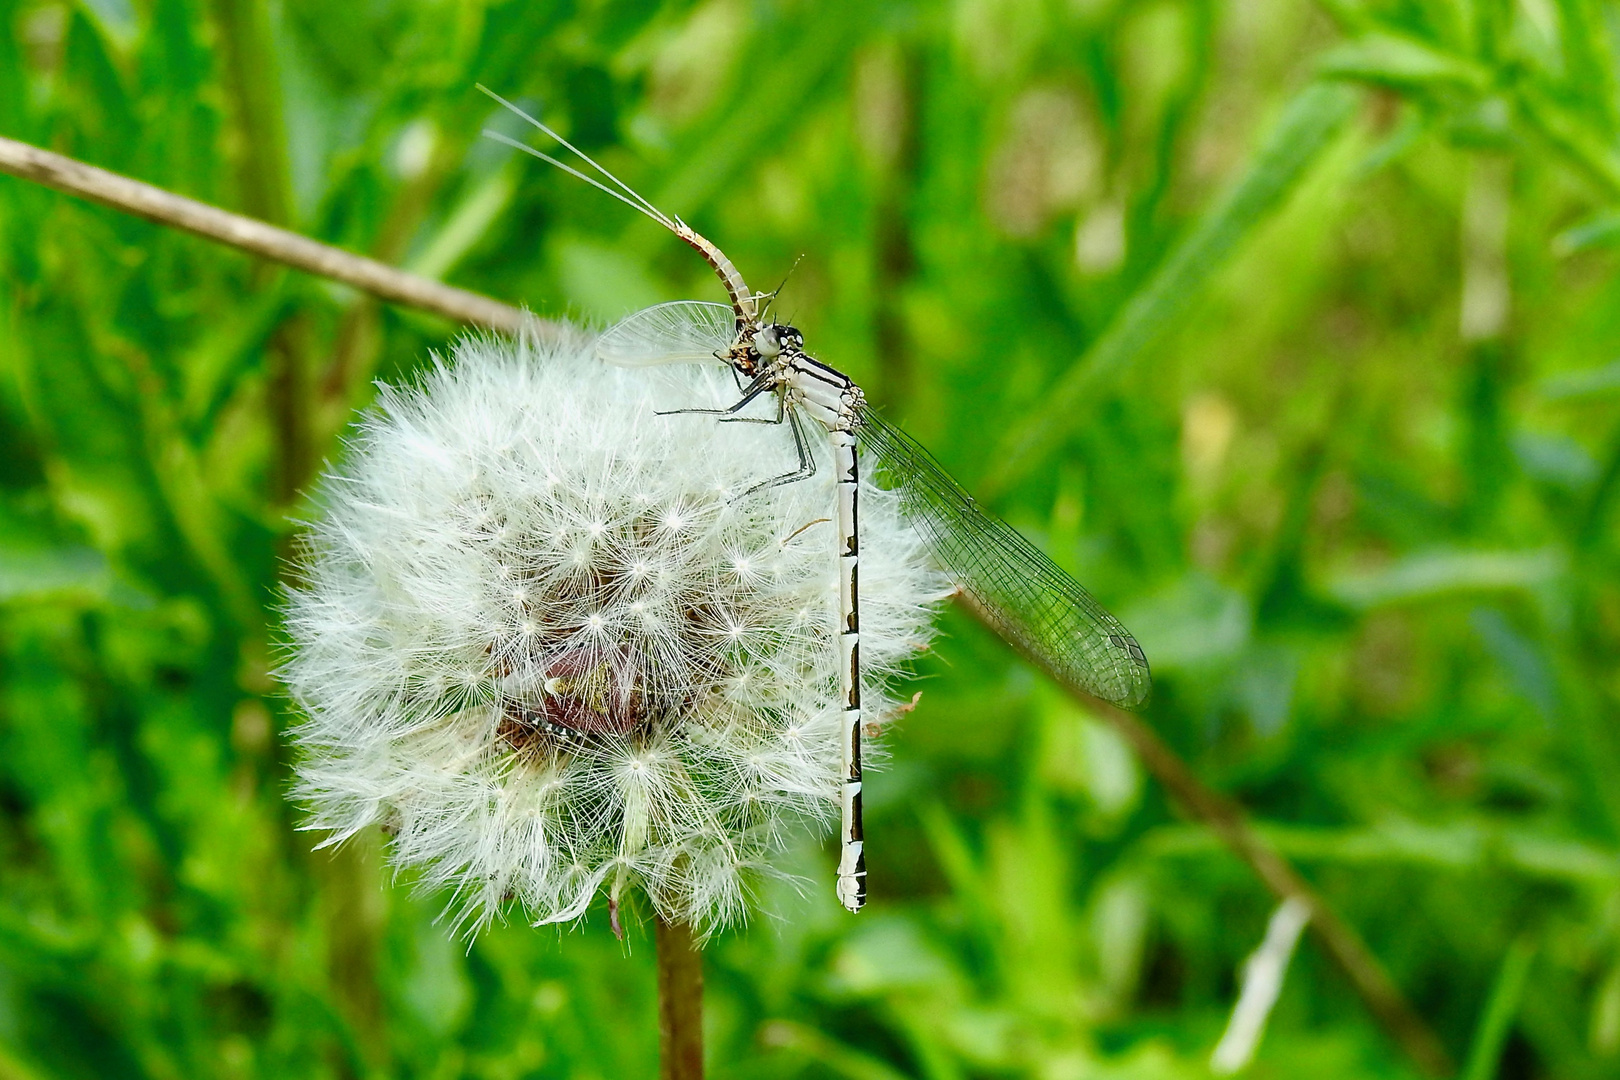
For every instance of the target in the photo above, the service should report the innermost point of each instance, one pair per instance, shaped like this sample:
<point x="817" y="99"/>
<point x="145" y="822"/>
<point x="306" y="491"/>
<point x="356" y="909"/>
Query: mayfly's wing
<point x="1037" y="608"/>
<point x="679" y="332"/>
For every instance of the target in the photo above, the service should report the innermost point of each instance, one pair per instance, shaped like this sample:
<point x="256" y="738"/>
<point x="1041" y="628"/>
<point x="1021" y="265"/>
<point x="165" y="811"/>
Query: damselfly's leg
<point x="781" y="414"/>
<point x="807" y="460"/>
<point x="762" y="382"/>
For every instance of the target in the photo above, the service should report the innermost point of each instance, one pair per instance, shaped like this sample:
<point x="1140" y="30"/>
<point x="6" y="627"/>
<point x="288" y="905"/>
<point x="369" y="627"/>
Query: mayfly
<point x="1036" y="607"/>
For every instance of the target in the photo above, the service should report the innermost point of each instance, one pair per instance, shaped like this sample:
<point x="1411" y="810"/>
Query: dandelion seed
<point x="561" y="672"/>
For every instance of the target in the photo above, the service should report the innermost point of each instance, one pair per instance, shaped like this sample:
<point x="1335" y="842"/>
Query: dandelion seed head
<point x="539" y="638"/>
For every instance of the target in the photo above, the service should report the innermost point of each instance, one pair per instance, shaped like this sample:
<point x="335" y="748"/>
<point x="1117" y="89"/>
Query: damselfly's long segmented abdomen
<point x="1037" y="608"/>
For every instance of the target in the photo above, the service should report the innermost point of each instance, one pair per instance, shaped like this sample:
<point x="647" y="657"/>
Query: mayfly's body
<point x="1037" y="608"/>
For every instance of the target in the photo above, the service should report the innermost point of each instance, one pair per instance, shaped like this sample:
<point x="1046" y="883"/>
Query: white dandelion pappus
<point x="1038" y="609"/>
<point x="542" y="641"/>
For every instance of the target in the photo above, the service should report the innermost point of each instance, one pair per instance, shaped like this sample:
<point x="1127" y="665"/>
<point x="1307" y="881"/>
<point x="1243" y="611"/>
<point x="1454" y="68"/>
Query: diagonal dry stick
<point x="1221" y="815"/>
<point x="253" y="236"/>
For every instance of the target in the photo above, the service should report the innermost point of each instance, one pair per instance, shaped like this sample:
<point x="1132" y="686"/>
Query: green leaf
<point x="1399" y="61"/>
<point x="1500" y="1008"/>
<point x="1598" y="381"/>
<point x="52" y="573"/>
<point x="1430" y="574"/>
<point x="1588" y="147"/>
<point x="1600" y="230"/>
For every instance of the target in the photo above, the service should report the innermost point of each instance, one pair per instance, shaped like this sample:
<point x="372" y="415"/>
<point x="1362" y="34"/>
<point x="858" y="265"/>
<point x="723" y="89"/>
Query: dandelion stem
<point x="680" y="1003"/>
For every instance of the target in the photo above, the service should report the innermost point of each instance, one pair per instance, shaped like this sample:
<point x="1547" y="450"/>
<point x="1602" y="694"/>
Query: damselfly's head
<point x="773" y="339"/>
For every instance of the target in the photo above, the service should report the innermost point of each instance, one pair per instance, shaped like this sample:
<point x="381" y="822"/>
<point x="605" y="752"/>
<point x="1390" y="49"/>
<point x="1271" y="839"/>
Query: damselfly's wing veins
<point x="679" y="332"/>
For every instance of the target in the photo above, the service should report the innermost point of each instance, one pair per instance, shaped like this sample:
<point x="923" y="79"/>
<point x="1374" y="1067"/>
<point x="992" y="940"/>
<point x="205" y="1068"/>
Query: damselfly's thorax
<point x="826" y="394"/>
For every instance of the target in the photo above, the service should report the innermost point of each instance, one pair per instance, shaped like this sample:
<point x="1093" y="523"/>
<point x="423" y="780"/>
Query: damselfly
<point x="1041" y="611"/>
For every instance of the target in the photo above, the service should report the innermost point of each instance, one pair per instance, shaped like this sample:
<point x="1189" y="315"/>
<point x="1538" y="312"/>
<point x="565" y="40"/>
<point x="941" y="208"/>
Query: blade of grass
<point x="1307" y="128"/>
<point x="252" y="87"/>
<point x="1461" y="848"/>
<point x="816" y="53"/>
<point x="1229" y="822"/>
<point x="1399" y="61"/>
<point x="1500" y="1008"/>
<point x="832" y="1055"/>
<point x="1585" y="43"/>
<point x="1568" y="132"/>
<point x="466" y="224"/>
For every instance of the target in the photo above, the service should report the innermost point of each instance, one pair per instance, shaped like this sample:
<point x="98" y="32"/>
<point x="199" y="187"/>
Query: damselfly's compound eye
<point x="767" y="342"/>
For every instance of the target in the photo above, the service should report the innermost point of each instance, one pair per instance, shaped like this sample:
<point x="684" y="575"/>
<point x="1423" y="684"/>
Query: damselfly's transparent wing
<point x="1037" y="608"/>
<point x="679" y="332"/>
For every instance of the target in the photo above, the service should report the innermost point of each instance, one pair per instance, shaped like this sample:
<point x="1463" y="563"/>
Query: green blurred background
<point x="1289" y="328"/>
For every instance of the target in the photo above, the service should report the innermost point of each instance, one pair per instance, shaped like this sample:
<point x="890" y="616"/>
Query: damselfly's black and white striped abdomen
<point x="1036" y="607"/>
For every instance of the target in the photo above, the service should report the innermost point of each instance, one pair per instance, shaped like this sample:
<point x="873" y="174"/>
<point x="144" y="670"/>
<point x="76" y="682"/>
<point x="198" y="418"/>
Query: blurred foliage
<point x="1290" y="329"/>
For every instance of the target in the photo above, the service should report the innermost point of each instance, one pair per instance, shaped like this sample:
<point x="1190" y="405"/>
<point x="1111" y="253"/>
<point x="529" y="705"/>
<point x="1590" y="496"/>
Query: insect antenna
<point x="770" y="297"/>
<point x="634" y="199"/>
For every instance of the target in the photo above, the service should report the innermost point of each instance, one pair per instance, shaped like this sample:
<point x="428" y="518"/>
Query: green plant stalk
<point x="251" y="83"/>
<point x="251" y="80"/>
<point x="1500" y="1008"/>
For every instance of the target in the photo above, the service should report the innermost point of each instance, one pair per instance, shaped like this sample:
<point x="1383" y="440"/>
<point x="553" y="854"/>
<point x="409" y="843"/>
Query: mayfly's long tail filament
<point x="743" y="301"/>
<point x="634" y="199"/>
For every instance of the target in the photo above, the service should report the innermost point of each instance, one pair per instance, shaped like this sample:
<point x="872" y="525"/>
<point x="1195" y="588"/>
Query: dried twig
<point x="682" y="1030"/>
<point x="247" y="234"/>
